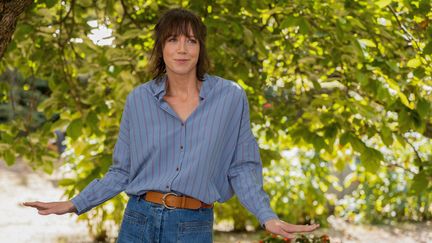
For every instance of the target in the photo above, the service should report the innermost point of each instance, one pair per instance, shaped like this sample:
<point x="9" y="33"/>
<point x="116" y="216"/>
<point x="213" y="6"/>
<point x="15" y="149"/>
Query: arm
<point x="117" y="177"/>
<point x="245" y="176"/>
<point x="245" y="172"/>
<point x="99" y="190"/>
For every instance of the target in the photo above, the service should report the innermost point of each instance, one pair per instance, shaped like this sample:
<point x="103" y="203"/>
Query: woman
<point x="185" y="142"/>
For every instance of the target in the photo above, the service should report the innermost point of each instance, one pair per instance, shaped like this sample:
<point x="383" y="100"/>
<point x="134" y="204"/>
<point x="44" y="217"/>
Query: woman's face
<point x="180" y="54"/>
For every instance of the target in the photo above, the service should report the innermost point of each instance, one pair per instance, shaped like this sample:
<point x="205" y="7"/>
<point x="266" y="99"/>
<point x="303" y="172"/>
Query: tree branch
<point x="404" y="29"/>
<point x="9" y="12"/>
<point x="126" y="13"/>
<point x="416" y="153"/>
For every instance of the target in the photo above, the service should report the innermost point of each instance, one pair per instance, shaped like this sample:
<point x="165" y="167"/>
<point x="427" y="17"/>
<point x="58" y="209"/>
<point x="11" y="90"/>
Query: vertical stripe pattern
<point x="209" y="156"/>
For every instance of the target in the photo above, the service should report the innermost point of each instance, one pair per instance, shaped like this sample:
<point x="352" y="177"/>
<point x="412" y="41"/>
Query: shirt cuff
<point x="265" y="216"/>
<point x="80" y="204"/>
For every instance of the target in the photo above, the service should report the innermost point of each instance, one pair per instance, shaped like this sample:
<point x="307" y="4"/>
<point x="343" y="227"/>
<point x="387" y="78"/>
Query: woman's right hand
<point x="46" y="208"/>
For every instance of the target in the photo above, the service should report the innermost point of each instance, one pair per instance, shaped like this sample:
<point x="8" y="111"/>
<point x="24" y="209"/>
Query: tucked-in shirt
<point x="210" y="156"/>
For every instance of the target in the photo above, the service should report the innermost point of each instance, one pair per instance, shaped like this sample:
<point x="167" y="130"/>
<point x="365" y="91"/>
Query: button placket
<point x="182" y="143"/>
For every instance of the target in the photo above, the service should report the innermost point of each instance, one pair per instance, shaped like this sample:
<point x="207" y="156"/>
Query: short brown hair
<point x="178" y="21"/>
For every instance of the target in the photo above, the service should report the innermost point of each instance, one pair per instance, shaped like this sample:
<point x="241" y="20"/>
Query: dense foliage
<point x="340" y="96"/>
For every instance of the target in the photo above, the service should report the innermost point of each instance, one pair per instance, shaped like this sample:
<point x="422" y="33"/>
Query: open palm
<point x="45" y="208"/>
<point x="286" y="230"/>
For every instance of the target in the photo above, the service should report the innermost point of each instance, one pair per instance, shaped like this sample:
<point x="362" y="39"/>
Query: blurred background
<point x="340" y="94"/>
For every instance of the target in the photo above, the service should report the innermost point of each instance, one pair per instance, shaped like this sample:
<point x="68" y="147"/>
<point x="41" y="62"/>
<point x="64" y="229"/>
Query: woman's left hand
<point x="286" y="230"/>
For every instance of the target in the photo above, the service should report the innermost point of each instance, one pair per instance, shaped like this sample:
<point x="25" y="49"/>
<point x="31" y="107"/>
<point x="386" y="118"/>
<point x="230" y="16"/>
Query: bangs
<point x="181" y="23"/>
<point x="176" y="22"/>
<point x="176" y="28"/>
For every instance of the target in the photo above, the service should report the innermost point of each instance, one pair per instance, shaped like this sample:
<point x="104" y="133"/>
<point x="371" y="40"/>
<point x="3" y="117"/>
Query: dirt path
<point x="22" y="224"/>
<point x="19" y="224"/>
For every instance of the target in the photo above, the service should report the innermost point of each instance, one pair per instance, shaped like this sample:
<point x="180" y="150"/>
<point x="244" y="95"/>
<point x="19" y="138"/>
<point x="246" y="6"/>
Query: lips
<point x="181" y="60"/>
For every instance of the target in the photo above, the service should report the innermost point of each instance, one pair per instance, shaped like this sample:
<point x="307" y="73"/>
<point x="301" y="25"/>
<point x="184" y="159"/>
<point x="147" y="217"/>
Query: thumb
<point x="59" y="210"/>
<point x="44" y="212"/>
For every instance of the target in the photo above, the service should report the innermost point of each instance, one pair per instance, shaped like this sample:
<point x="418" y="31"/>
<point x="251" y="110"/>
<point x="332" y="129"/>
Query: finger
<point x="53" y="210"/>
<point x="299" y="228"/>
<point x="45" y="212"/>
<point x="286" y="234"/>
<point x="38" y="205"/>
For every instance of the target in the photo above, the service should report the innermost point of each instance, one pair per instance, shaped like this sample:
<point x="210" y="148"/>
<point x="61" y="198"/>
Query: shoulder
<point x="146" y="88"/>
<point x="226" y="85"/>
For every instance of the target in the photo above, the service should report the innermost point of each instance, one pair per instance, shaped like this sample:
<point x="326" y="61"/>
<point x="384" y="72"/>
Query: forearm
<point x="248" y="188"/>
<point x="100" y="190"/>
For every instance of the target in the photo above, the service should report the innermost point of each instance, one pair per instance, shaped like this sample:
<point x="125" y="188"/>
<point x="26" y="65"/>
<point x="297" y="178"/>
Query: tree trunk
<point x="9" y="12"/>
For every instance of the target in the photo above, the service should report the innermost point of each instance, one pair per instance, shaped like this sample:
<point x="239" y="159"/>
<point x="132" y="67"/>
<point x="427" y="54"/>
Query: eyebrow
<point x="189" y="36"/>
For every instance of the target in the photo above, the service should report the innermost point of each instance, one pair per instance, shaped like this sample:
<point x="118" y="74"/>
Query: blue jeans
<point x="149" y="222"/>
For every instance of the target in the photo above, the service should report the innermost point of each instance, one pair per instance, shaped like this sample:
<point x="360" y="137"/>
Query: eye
<point x="193" y="41"/>
<point x="172" y="39"/>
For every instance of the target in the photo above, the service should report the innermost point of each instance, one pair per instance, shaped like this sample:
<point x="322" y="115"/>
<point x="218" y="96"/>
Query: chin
<point x="181" y="71"/>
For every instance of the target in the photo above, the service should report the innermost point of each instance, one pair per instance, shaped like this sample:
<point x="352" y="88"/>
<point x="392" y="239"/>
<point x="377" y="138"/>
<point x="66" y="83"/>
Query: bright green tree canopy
<point x="348" y="80"/>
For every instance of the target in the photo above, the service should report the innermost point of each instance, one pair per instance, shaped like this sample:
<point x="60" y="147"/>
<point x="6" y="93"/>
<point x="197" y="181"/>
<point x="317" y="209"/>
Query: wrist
<point x="72" y="208"/>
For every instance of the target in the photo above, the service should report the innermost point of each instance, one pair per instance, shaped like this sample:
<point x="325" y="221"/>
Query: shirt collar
<point x="159" y="88"/>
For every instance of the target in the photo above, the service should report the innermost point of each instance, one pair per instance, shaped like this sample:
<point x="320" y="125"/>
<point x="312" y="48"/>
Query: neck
<point x="183" y="86"/>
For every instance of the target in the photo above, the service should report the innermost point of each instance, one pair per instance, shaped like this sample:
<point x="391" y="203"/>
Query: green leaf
<point x="419" y="183"/>
<point x="428" y="48"/>
<point x="318" y="142"/>
<point x="413" y="63"/>
<point x="7" y="138"/>
<point x="92" y="121"/>
<point x="419" y="72"/>
<point x="46" y="104"/>
<point x="316" y="84"/>
<point x="23" y="30"/>
<point x="304" y="26"/>
<point x="405" y="101"/>
<point x="400" y="139"/>
<point x="393" y="66"/>
<point x="9" y="157"/>
<point x="383" y="3"/>
<point x="74" y="129"/>
<point x="289" y="21"/>
<point x="423" y="108"/>
<point x="405" y="121"/>
<point x="67" y="182"/>
<point x="386" y="136"/>
<point x="344" y="139"/>
<point x="48" y="167"/>
<point x="367" y="42"/>
<point x="248" y="36"/>
<point x="356" y="143"/>
<point x="50" y="3"/>
<point x="340" y="164"/>
<point x="362" y="78"/>
<point x="370" y="159"/>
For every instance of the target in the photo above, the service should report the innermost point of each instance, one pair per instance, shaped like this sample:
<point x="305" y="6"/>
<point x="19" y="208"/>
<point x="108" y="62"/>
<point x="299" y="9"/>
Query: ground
<point x="19" y="224"/>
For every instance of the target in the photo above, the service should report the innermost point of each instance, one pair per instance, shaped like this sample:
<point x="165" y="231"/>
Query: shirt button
<point x="182" y="124"/>
<point x="177" y="169"/>
<point x="167" y="186"/>
<point x="181" y="147"/>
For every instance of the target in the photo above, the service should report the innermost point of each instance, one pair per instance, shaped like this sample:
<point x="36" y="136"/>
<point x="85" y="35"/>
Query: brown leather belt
<point x="171" y="200"/>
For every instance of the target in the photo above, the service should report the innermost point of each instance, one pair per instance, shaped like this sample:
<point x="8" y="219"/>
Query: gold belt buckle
<point x="164" y="198"/>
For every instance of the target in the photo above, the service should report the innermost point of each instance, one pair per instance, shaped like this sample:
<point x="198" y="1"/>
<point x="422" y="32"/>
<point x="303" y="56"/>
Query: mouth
<point x="181" y="60"/>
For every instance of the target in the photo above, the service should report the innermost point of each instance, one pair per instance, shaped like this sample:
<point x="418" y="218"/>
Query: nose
<point x="181" y="45"/>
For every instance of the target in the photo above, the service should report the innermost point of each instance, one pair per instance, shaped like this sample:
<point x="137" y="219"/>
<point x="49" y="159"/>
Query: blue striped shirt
<point x="210" y="156"/>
